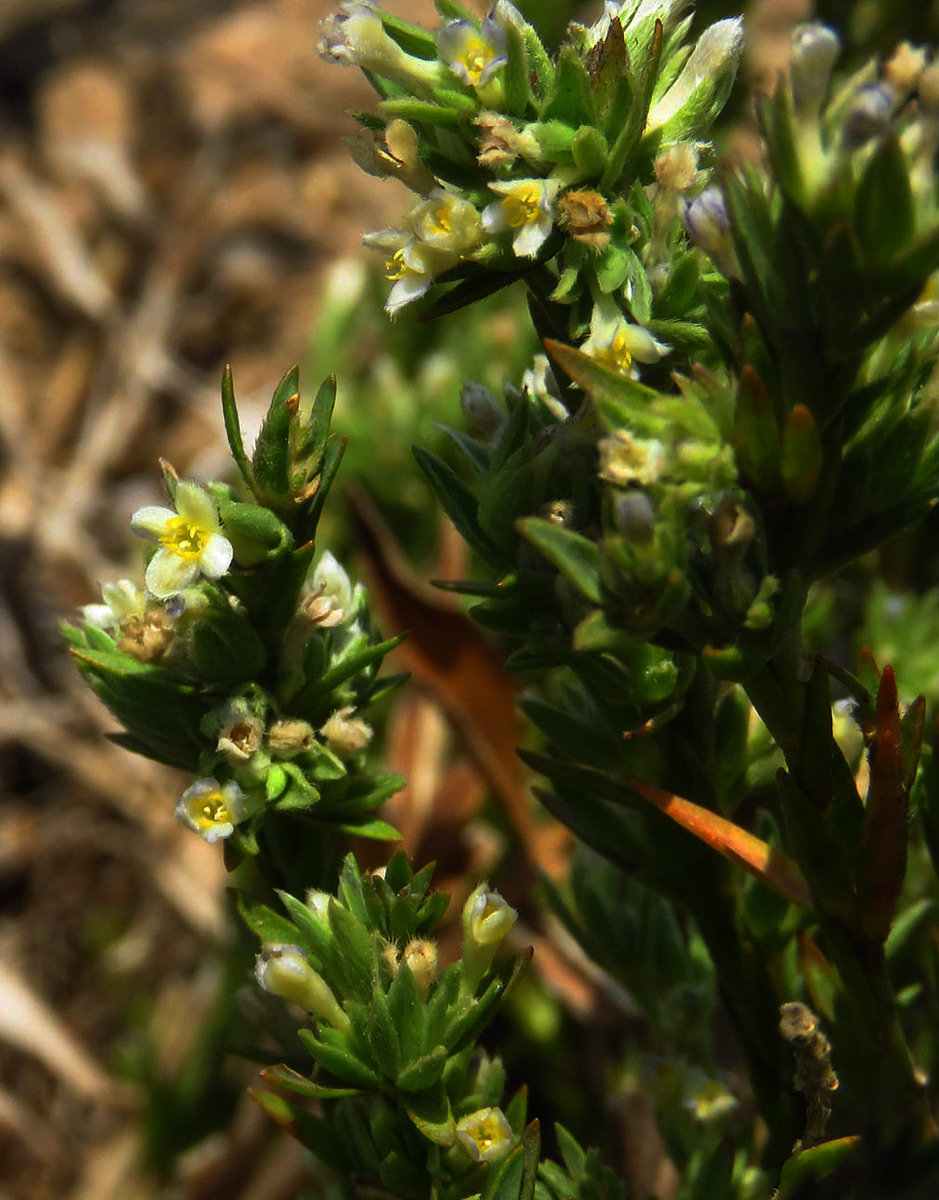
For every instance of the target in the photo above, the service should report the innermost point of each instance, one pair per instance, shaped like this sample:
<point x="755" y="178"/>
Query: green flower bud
<point x="701" y="89"/>
<point x="486" y="921"/>
<point x="283" y="970"/>
<point x="256" y="534"/>
<point x="815" y="50"/>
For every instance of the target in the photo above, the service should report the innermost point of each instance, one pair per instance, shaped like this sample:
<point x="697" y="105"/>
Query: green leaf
<point x="590" y="151"/>
<point x="341" y="1063"/>
<point x="427" y="113"/>
<point x="459" y="503"/>
<point x="570" y="99"/>
<point x="233" y="428"/>
<point x="424" y="1072"/>
<point x="516" y="88"/>
<point x="271" y="459"/>
<point x="430" y="1112"/>
<point x="284" y="1077"/>
<point x="270" y="927"/>
<point x="884" y="212"/>
<point x="377" y="830"/>
<point x="575" y="556"/>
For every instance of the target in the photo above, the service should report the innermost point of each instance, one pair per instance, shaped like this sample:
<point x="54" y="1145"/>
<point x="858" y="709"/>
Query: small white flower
<point x="485" y="1134"/>
<point x="121" y="599"/>
<point x="446" y="223"/>
<point x="527" y="206"/>
<point x="473" y="55"/>
<point x="626" y="459"/>
<point x="326" y="598"/>
<point x="211" y="809"/>
<point x="410" y="265"/>
<point x="191" y="542"/>
<point x="487" y="919"/>
<point x="616" y="343"/>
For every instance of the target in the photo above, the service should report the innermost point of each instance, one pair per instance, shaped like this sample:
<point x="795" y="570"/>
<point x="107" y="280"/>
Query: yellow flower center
<point x="486" y="1133"/>
<point x="442" y="220"/>
<point x="615" y="356"/>
<point x="396" y="268"/>
<point x="475" y="59"/>
<point x="214" y="811"/>
<point x="523" y="206"/>
<point x="183" y="539"/>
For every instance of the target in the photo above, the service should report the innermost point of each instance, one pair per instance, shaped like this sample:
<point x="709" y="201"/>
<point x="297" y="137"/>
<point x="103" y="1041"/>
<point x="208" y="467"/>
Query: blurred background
<point x="175" y="195"/>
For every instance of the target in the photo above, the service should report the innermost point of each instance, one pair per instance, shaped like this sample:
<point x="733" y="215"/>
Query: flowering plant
<point x="736" y="398"/>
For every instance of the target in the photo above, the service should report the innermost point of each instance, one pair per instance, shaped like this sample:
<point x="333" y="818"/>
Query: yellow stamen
<point x="183" y="539"/>
<point x="523" y="206"/>
<point x="474" y="59"/>
<point x="396" y="268"/>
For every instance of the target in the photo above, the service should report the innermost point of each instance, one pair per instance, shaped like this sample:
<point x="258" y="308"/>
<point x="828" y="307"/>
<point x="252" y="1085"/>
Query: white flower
<point x="441" y="230"/>
<point x="191" y="542"/>
<point x="326" y="599"/>
<point x="121" y="599"/>
<point x="446" y="223"/>
<point x="212" y="810"/>
<point x="410" y="265"/>
<point x="527" y="206"/>
<point x="616" y="343"/>
<point x="473" y="55"/>
<point x="485" y="1134"/>
<point x="626" y="459"/>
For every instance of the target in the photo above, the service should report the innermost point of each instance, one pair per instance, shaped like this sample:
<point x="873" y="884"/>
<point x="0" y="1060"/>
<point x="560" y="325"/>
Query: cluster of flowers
<point x="254" y="753"/>
<point x="513" y="155"/>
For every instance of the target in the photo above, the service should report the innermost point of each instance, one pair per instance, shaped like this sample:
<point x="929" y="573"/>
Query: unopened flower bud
<point x="708" y="226"/>
<point x="481" y="409"/>
<point x="317" y="902"/>
<point x="634" y="516"/>
<point x="486" y="921"/>
<point x="868" y="115"/>
<point x="485" y="1134"/>
<point x="677" y="167"/>
<point x="355" y="36"/>
<point x="815" y="50"/>
<point x="346" y="734"/>
<point x="698" y="94"/>
<point x="289" y="737"/>
<point x="905" y="67"/>
<point x="283" y="970"/>
<point x="421" y="956"/>
<point x="256" y="534"/>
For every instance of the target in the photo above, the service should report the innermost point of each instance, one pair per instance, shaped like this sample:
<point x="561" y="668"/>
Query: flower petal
<point x="216" y="558"/>
<point x="531" y="237"/>
<point x="168" y="574"/>
<point x="196" y="505"/>
<point x="151" y="521"/>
